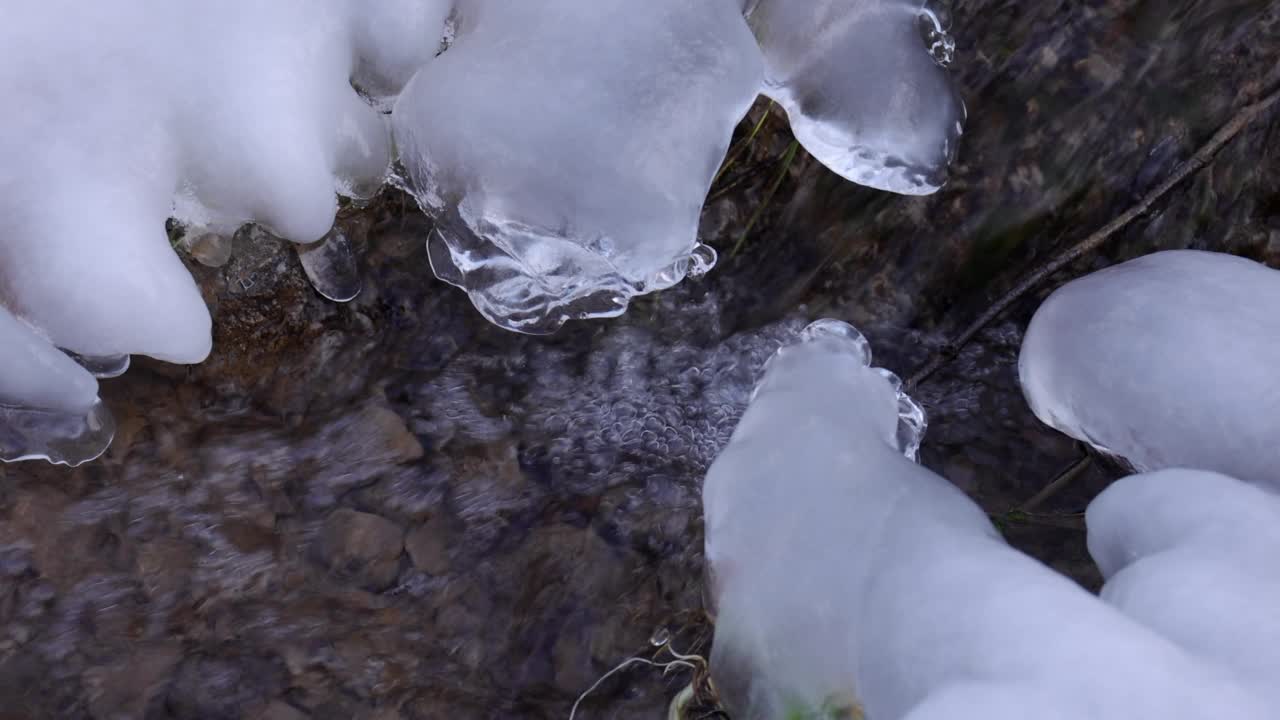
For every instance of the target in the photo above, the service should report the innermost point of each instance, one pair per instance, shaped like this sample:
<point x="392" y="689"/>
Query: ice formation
<point x="1192" y="555"/>
<point x="566" y="162"/>
<point x="1168" y="360"/>
<point x="125" y="114"/>
<point x="564" y="148"/>
<point x="845" y="574"/>
<point x="864" y="93"/>
<point x="331" y="266"/>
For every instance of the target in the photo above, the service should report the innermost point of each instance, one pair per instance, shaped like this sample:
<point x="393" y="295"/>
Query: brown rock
<point x="361" y="546"/>
<point x="428" y="546"/>
<point x="278" y="710"/>
<point x="124" y="689"/>
<point x="400" y="445"/>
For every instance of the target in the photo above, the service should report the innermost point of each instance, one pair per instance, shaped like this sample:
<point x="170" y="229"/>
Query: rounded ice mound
<point x="847" y="345"/>
<point x="1192" y="555"/>
<point x="849" y="581"/>
<point x="565" y="149"/>
<point x="865" y="95"/>
<point x="1169" y="360"/>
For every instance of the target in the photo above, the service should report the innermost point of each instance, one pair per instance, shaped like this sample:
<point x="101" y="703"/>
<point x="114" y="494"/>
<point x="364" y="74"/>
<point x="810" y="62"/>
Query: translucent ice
<point x="864" y="93"/>
<point x="1169" y="360"/>
<point x="106" y="366"/>
<point x="1193" y="555"/>
<point x="566" y="148"/>
<point x="62" y="438"/>
<point x="331" y="266"/>
<point x="844" y="574"/>
<point x="49" y="404"/>
<point x="36" y="374"/>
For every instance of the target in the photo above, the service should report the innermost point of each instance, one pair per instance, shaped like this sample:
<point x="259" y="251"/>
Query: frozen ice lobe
<point x="566" y="148"/>
<point x="1168" y="360"/>
<point x="864" y="93"/>
<point x="1193" y="555"/>
<point x="49" y="405"/>
<point x="37" y="375"/>
<point x="844" y="574"/>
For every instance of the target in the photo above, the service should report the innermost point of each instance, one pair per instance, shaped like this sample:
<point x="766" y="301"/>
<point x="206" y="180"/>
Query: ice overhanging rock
<point x="567" y="163"/>
<point x="567" y="159"/>
<point x="563" y="148"/>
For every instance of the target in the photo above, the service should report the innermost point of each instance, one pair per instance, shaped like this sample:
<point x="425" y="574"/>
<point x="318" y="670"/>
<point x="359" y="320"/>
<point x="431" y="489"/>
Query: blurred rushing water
<point x="389" y="509"/>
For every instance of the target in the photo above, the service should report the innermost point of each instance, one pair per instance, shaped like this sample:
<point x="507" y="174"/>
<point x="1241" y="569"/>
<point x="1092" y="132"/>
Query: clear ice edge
<point x="517" y="298"/>
<point x="60" y="438"/>
<point x="912" y="420"/>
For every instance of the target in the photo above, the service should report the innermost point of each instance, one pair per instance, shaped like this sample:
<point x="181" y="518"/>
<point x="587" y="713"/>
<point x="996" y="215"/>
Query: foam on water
<point x="331" y="266"/>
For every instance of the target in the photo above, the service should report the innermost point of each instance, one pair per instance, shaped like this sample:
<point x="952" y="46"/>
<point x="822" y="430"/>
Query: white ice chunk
<point x="1169" y="360"/>
<point x="844" y="573"/>
<point x="864" y="94"/>
<point x="90" y="266"/>
<point x="566" y="148"/>
<point x="1196" y="557"/>
<point x="35" y="374"/>
<point x="121" y="114"/>
<point x="267" y="122"/>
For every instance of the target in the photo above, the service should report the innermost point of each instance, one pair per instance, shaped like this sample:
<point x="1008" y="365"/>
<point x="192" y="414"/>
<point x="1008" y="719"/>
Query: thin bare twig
<point x="1064" y="479"/>
<point x="665" y="666"/>
<point x="1197" y="162"/>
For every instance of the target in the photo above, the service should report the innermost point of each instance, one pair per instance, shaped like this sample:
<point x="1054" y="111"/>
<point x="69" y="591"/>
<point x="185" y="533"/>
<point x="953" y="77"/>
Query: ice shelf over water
<point x="566" y="148"/>
<point x="865" y="95"/>
<point x="845" y="575"/>
<point x="1169" y="360"/>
